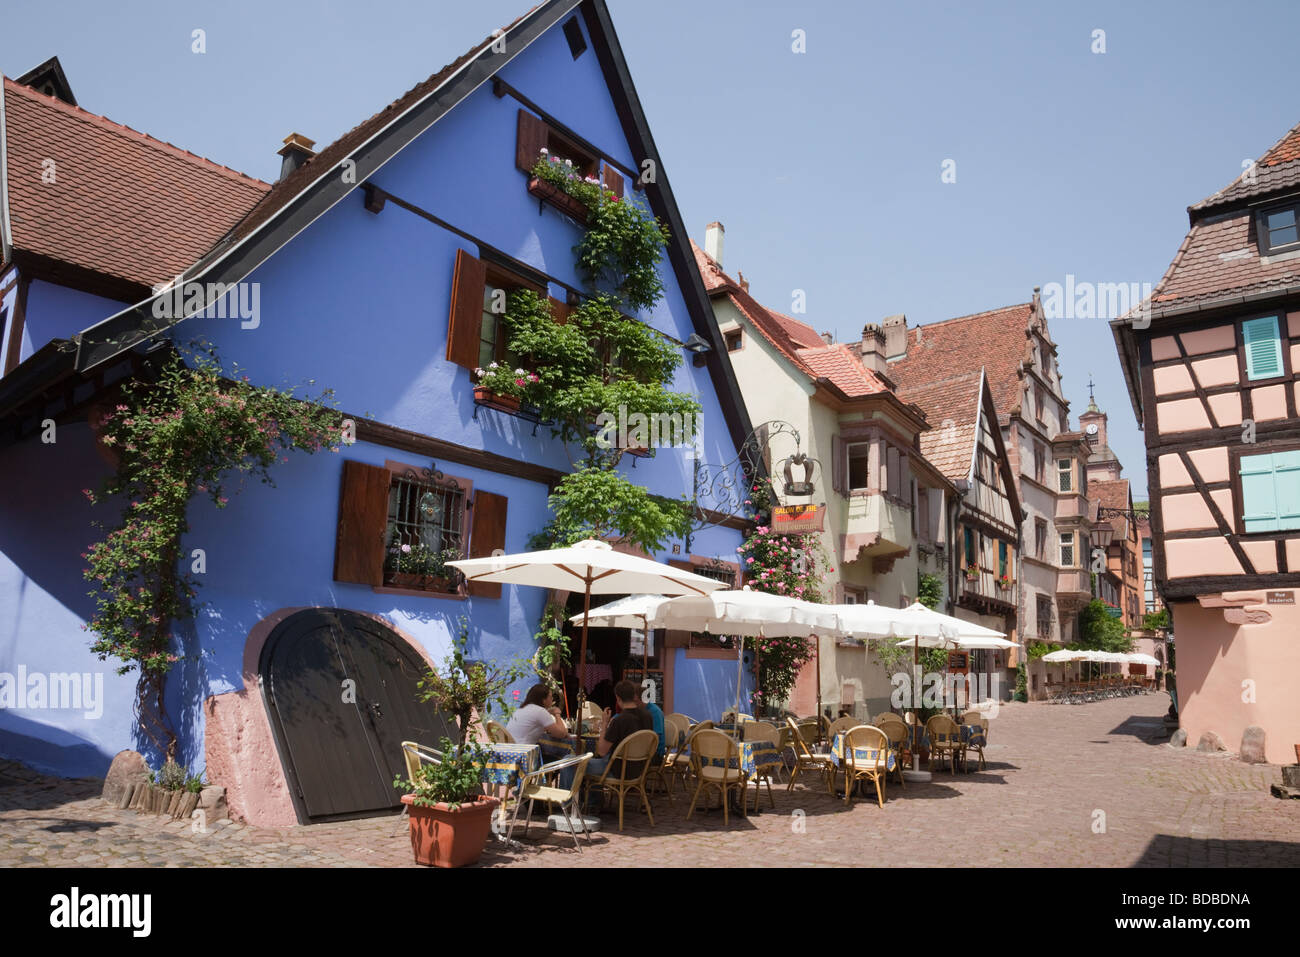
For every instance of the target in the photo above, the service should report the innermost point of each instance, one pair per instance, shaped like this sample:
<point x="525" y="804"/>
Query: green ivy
<point x="595" y="502"/>
<point x="929" y="590"/>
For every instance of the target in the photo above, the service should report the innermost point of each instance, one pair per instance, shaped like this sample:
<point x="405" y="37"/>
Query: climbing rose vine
<point x="183" y="433"/>
<point x="782" y="564"/>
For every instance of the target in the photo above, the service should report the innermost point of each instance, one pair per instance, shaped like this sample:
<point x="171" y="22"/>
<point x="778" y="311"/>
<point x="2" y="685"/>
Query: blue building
<point x="363" y="268"/>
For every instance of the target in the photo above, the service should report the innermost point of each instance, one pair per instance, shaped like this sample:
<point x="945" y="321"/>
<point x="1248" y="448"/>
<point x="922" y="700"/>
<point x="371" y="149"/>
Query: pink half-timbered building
<point x="1211" y="363"/>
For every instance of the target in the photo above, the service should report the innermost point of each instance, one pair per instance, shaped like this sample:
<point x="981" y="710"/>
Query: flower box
<point x="507" y="403"/>
<point x="421" y="582"/>
<point x="568" y="205"/>
<point x="640" y="451"/>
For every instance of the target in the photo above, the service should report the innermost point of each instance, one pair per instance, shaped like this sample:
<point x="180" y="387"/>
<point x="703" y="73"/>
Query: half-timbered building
<point x="1210" y="362"/>
<point x="965" y="444"/>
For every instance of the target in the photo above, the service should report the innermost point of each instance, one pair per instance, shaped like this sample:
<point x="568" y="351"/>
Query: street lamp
<point x="1102" y="534"/>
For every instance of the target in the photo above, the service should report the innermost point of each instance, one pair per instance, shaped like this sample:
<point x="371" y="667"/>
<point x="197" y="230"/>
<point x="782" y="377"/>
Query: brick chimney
<point x="872" y="350"/>
<point x="713" y="236"/>
<point x="895" y="328"/>
<point x="297" y="149"/>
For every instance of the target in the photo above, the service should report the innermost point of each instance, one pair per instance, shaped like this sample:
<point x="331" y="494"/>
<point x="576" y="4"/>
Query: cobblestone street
<point x="1053" y="771"/>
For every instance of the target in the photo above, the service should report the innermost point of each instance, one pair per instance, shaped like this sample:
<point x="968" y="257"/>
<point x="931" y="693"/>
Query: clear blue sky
<point x="824" y="166"/>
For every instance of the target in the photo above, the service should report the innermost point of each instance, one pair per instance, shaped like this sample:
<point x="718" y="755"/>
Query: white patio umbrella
<point x="1065" y="654"/>
<point x="1141" y="658"/>
<point x="744" y="612"/>
<point x="591" y="565"/>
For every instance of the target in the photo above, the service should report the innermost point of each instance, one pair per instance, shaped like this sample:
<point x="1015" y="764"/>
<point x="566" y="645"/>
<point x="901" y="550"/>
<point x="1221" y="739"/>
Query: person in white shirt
<point x="537" y="718"/>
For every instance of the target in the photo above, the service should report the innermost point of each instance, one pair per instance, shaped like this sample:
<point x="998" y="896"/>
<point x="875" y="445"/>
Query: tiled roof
<point x="1220" y="256"/>
<point x="1108" y="493"/>
<point x="796" y="340"/>
<point x="286" y="189"/>
<point x="844" y="369"/>
<point x="1276" y="170"/>
<point x="952" y="408"/>
<point x="995" y="341"/>
<point x="122" y="204"/>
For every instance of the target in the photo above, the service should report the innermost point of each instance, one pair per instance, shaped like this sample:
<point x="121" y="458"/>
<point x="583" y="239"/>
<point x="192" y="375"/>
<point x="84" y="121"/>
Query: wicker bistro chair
<point x="945" y="738"/>
<point x="417" y="755"/>
<point x="686" y="723"/>
<point x="805" y="760"/>
<point x="974" y="718"/>
<point x="637" y="748"/>
<point x="840" y="726"/>
<point x="677" y="763"/>
<point x="533" y="788"/>
<point x="866" y="758"/>
<point x="716" y="760"/>
<point x="497" y="733"/>
<point x="895" y="729"/>
<point x="764" y="731"/>
<point x="673" y="735"/>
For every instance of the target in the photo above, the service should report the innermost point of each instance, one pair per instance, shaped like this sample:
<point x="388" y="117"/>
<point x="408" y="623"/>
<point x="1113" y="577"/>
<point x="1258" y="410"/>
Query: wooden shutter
<point x="1263" y="348"/>
<point x="613" y="180"/>
<point x="837" y="464"/>
<point x="466" y="322"/>
<point x="363" y="522"/>
<point x="1258" y="499"/>
<point x="1286" y="489"/>
<point x="530" y="137"/>
<point x="487" y="533"/>
<point x="560" y="311"/>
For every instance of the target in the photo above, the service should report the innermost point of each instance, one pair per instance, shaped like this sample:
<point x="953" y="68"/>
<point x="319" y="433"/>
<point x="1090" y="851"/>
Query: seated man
<point x="613" y="729"/>
<point x="538" y="718"/>
<point x="657" y="722"/>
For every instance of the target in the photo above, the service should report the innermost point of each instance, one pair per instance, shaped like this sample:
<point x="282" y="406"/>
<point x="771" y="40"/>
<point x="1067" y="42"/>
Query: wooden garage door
<point x="341" y="691"/>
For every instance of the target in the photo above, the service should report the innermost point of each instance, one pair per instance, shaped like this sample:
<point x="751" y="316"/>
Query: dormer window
<point x="1279" y="230"/>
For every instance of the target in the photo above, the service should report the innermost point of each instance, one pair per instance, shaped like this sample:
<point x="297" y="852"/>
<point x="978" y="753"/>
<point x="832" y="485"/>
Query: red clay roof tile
<point x="122" y="204"/>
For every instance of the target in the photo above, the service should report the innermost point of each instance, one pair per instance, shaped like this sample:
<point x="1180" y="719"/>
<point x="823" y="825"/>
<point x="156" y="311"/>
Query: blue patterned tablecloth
<point x="860" y="755"/>
<point x="509" y="762"/>
<point x="556" y="748"/>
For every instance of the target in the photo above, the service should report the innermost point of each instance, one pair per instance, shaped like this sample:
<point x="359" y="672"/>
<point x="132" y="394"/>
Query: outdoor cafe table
<point x="753" y="755"/>
<point x="507" y="763"/>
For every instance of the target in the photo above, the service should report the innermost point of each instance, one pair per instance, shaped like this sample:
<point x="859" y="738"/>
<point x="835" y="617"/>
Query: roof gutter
<point x="118" y="333"/>
<point x="6" y="235"/>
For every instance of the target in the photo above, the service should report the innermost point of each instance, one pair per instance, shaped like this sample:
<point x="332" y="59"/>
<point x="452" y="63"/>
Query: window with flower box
<point x="535" y="138"/>
<point x="383" y="508"/>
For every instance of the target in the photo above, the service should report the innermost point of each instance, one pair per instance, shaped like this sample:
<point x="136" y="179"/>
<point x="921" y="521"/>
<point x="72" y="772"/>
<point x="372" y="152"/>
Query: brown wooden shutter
<point x="560" y="310"/>
<point x="466" y="322"/>
<point x="363" y="522"/>
<point x="613" y="180"/>
<point x="487" y="533"/>
<point x="529" y="140"/>
<point x="837" y="464"/>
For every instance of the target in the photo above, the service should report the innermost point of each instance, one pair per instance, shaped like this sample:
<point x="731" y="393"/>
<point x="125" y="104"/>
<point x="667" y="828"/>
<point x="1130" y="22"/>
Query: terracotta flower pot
<point x="441" y="837"/>
<point x="487" y="397"/>
<point x="405" y="580"/>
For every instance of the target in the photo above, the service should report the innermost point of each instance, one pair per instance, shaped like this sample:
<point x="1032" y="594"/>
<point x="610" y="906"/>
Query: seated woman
<point x="538" y="718"/>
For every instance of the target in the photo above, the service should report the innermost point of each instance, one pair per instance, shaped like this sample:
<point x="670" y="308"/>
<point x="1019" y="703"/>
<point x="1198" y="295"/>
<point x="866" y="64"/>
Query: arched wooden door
<point x="341" y="692"/>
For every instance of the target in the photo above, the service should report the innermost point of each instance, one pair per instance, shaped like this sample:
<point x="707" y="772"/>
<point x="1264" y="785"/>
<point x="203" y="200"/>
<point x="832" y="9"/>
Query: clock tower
<point x="1102" y="462"/>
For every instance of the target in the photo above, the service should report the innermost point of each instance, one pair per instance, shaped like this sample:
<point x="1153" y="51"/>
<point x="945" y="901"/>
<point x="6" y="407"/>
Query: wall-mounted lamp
<point x="699" y="349"/>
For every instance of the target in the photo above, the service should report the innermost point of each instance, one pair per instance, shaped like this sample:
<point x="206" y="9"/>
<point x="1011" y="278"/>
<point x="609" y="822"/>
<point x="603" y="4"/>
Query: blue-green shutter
<point x="1258" y="498"/>
<point x="1263" y="348"/>
<point x="1286" y="488"/>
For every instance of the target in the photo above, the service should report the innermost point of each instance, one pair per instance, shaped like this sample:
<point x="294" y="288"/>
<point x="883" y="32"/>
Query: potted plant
<point x="452" y="824"/>
<point x="449" y="823"/>
<point x="972" y="571"/>
<point x="1005" y="582"/>
<point x="502" y="387"/>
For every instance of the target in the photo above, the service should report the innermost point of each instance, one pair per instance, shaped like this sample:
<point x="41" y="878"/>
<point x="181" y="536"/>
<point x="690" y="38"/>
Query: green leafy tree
<point x="1100" y="631"/>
